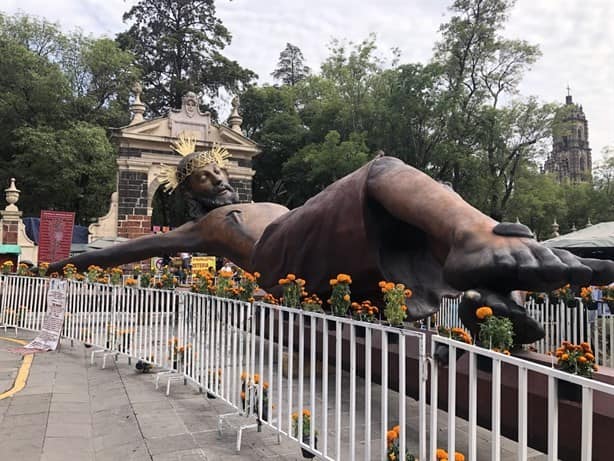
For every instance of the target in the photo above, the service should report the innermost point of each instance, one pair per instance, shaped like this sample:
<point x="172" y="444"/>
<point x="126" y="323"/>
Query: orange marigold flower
<point x="257" y="275"/>
<point x="483" y="312"/>
<point x="397" y="429"/>
<point x="295" y="416"/>
<point x="382" y="284"/>
<point x="582" y="359"/>
<point x="565" y="357"/>
<point x="391" y="436"/>
<point x="403" y="307"/>
<point x="306" y="412"/>
<point x="441" y="453"/>
<point x="256" y="378"/>
<point x="332" y="282"/>
<point x="408" y="293"/>
<point x="346" y="297"/>
<point x="291" y="277"/>
<point x="459" y="456"/>
<point x="589" y="357"/>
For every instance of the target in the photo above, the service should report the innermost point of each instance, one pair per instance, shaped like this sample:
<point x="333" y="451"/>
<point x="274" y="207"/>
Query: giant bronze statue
<point x="386" y="220"/>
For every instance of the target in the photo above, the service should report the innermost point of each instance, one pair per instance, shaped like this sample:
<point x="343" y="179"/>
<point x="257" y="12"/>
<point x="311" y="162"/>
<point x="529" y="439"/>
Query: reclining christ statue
<point x="384" y="221"/>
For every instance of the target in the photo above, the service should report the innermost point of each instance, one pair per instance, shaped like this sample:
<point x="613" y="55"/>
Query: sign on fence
<point x="49" y="336"/>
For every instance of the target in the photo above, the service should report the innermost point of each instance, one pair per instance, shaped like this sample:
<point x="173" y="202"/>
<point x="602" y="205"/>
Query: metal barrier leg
<point x="239" y="436"/>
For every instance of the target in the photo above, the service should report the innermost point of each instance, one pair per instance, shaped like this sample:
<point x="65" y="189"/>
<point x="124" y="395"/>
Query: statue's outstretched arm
<point x="188" y="238"/>
<point x="230" y="231"/>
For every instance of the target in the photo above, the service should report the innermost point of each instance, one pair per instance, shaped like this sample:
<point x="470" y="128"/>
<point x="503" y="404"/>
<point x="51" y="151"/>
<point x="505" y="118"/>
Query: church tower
<point x="570" y="159"/>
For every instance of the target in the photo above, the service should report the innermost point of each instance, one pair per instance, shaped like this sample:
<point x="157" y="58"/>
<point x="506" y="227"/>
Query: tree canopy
<point x="178" y="46"/>
<point x="458" y="116"/>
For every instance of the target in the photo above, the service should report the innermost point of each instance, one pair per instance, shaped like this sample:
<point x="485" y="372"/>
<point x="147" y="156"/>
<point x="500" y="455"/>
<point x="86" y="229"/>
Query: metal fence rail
<point x="560" y="323"/>
<point x="267" y="362"/>
<point x="554" y="378"/>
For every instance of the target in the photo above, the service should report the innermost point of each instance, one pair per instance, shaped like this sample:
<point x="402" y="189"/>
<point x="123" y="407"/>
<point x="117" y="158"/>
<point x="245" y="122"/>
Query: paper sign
<point x="49" y="336"/>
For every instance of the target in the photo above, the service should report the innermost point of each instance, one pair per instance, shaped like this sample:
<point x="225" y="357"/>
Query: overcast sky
<point x="576" y="38"/>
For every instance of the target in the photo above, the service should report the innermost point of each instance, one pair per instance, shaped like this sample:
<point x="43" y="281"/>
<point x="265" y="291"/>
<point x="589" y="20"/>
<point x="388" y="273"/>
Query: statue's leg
<point x="475" y="250"/>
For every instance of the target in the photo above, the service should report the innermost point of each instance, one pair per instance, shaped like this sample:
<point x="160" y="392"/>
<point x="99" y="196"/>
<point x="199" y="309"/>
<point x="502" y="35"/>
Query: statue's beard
<point x="210" y="202"/>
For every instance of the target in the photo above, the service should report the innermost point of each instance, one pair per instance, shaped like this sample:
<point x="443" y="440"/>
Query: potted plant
<point x="586" y="293"/>
<point x="340" y="297"/>
<point x="292" y="287"/>
<point x="442" y="351"/>
<point x="395" y="308"/>
<point x="607" y="296"/>
<point x="42" y="269"/>
<point x="564" y="295"/>
<point x="305" y="436"/>
<point x="69" y="271"/>
<point x="393" y="453"/>
<point x="7" y="267"/>
<point x="496" y="333"/>
<point x="312" y="303"/>
<point x="248" y="284"/>
<point x="93" y="273"/>
<point x="365" y="312"/>
<point x="577" y="359"/>
<point x="23" y="270"/>
<point x="538" y="298"/>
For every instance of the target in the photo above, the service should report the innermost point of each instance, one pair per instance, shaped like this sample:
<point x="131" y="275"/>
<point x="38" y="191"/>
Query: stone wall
<point x="243" y="188"/>
<point x="132" y="220"/>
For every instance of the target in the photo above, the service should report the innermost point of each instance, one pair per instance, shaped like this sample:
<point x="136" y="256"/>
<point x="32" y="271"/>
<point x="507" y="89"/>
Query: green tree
<point x="58" y="94"/>
<point x="319" y="165"/>
<point x="290" y="67"/>
<point x="178" y="44"/>
<point x="481" y="69"/>
<point x="270" y="117"/>
<point x="537" y="201"/>
<point x="81" y="159"/>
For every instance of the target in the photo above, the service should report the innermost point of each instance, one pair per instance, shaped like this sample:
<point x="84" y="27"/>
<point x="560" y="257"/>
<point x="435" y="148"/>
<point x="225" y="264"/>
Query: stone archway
<point x="144" y="145"/>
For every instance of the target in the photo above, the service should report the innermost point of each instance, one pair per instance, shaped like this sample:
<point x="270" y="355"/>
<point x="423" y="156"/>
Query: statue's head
<point x="206" y="184"/>
<point x="201" y="176"/>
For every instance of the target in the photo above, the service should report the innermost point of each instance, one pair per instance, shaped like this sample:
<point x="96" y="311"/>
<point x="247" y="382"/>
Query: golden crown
<point x="171" y="176"/>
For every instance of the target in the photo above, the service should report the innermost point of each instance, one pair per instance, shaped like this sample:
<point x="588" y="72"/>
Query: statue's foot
<point x="526" y="329"/>
<point x="505" y="258"/>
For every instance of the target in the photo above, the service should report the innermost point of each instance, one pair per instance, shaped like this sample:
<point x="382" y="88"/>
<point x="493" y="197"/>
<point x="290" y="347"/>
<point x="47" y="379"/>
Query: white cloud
<point x="576" y="38"/>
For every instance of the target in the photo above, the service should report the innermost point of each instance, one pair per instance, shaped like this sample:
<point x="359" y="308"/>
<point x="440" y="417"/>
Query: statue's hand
<point x="509" y="261"/>
<point x="526" y="329"/>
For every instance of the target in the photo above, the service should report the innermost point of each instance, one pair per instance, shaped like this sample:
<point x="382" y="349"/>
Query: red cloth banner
<point x="55" y="235"/>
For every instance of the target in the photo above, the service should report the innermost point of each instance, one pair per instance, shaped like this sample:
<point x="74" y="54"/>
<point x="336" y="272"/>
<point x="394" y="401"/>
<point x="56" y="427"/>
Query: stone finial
<point x="235" y="120"/>
<point x="518" y="220"/>
<point x="589" y="223"/>
<point x="137" y="107"/>
<point x="12" y="196"/>
<point x="573" y="227"/>
<point x="555" y="229"/>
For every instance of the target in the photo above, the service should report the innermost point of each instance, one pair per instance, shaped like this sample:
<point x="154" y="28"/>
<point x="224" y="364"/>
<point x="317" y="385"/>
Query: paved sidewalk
<point x="71" y="410"/>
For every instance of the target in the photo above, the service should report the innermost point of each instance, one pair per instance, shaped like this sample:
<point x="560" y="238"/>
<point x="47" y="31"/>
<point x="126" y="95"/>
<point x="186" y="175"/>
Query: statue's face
<point x="210" y="186"/>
